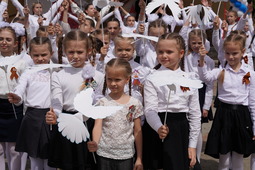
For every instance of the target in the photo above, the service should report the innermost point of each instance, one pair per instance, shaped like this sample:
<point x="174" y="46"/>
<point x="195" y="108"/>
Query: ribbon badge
<point x="14" y="73"/>
<point x="246" y="78"/>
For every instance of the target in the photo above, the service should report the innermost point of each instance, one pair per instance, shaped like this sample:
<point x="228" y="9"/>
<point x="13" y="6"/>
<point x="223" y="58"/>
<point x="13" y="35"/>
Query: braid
<point x="19" y="44"/>
<point x="130" y="86"/>
<point x="60" y="50"/>
<point x="105" y="86"/>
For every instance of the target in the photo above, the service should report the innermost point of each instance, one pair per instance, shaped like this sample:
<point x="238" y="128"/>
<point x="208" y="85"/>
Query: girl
<point x="195" y="41"/>
<point x="114" y="136"/>
<point x="182" y="126"/>
<point x="63" y="153"/>
<point x="34" y="90"/>
<point x="9" y="76"/>
<point x="145" y="48"/>
<point x="231" y="134"/>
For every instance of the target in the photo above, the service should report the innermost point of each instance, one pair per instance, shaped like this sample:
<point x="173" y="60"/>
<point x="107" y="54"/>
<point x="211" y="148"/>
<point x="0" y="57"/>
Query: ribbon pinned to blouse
<point x="14" y="73"/>
<point x="246" y="78"/>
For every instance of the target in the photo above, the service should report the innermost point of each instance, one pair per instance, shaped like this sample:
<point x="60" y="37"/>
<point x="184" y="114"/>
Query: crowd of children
<point x="125" y="62"/>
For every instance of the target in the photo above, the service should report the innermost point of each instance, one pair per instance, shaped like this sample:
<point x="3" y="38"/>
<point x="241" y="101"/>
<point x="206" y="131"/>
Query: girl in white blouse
<point x="64" y="154"/>
<point x="34" y="90"/>
<point x="232" y="133"/>
<point x="114" y="136"/>
<point x="182" y="126"/>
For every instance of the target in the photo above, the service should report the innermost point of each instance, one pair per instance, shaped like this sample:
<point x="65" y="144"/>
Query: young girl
<point x="114" y="136"/>
<point x="66" y="84"/>
<point x="231" y="135"/>
<point x="195" y="41"/>
<point x="9" y="76"/>
<point x="182" y="126"/>
<point x="34" y="90"/>
<point x="146" y="49"/>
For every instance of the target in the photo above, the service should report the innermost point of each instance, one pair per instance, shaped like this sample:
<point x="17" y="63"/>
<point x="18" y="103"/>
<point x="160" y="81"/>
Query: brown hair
<point x="196" y="33"/>
<point x="33" y="6"/>
<point x="78" y="35"/>
<point x="119" y="62"/>
<point x="179" y="41"/>
<point x="40" y="41"/>
<point x="238" y="37"/>
<point x="158" y="24"/>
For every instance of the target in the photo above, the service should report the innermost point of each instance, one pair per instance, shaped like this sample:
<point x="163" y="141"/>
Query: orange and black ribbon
<point x="14" y="73"/>
<point x="245" y="59"/>
<point x="246" y="78"/>
<point x="184" y="88"/>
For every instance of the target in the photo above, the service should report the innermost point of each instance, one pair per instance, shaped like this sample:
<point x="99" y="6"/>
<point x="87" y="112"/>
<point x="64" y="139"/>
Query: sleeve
<point x="152" y="17"/>
<point x="51" y="12"/>
<point x="3" y="7"/>
<point x="251" y="27"/>
<point x="151" y="106"/>
<point x="56" y="18"/>
<point x="66" y="27"/>
<point x="118" y="16"/>
<point x="138" y="110"/>
<point x="105" y="17"/>
<point x="18" y="6"/>
<point x="22" y="85"/>
<point x="184" y="33"/>
<point x="73" y="18"/>
<point x="241" y="23"/>
<point x="208" y="76"/>
<point x="251" y="99"/>
<point x="209" y="89"/>
<point x="57" y="93"/>
<point x="194" y="118"/>
<point x="75" y="9"/>
<point x="216" y="39"/>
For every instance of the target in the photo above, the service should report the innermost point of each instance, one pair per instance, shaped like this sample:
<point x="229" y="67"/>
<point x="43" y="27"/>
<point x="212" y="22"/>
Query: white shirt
<point x="6" y="87"/>
<point x="156" y="100"/>
<point x="233" y="90"/>
<point x="66" y="84"/>
<point x="36" y="87"/>
<point x="191" y="65"/>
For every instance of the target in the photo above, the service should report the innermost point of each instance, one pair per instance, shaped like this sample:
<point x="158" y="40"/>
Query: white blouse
<point x="156" y="100"/>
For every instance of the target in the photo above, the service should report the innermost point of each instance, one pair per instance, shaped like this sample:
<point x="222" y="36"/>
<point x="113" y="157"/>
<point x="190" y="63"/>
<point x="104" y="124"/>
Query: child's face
<point x="86" y="27"/>
<point x="106" y="39"/>
<point x="40" y="54"/>
<point x="76" y="53"/>
<point x="7" y="43"/>
<point x="195" y="43"/>
<point x="37" y="9"/>
<point x="156" y="32"/>
<point x="231" y="18"/>
<point x="116" y="78"/>
<point x="130" y="21"/>
<point x="246" y="27"/>
<point x="169" y="54"/>
<point x="124" y="49"/>
<point x="234" y="54"/>
<point x="114" y="29"/>
<point x="90" y="11"/>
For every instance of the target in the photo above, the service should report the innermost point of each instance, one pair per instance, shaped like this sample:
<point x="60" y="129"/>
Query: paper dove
<point x="172" y="4"/>
<point x="175" y="78"/>
<point x="83" y="103"/>
<point x="141" y="36"/>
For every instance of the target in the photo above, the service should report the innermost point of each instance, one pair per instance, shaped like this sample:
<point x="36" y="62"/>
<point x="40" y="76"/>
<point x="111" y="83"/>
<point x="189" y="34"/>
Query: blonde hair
<point x="196" y="33"/>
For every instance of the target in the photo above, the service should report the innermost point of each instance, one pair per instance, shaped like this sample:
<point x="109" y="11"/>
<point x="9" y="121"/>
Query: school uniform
<point x="232" y="128"/>
<point x="183" y="120"/>
<point x="63" y="153"/>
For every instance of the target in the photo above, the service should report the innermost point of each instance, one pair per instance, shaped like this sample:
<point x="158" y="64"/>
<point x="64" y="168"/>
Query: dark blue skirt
<point x="231" y="131"/>
<point x="172" y="154"/>
<point x="9" y="125"/>
<point x="34" y="134"/>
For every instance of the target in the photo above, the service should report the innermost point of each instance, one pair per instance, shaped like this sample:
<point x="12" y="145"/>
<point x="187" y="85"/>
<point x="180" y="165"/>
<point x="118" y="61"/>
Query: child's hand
<point x="58" y="29"/>
<point x="163" y="131"/>
<point x="142" y="4"/>
<point x="50" y="29"/>
<point x="253" y="138"/>
<point x="202" y="51"/>
<point x="205" y="113"/>
<point x="138" y="164"/>
<point x="92" y="146"/>
<point x="103" y="52"/>
<point x="13" y="98"/>
<point x="5" y="15"/>
<point x="40" y="20"/>
<point x="26" y="11"/>
<point x="51" y="117"/>
<point x="141" y="29"/>
<point x="216" y="23"/>
<point x="192" y="156"/>
<point x="81" y="18"/>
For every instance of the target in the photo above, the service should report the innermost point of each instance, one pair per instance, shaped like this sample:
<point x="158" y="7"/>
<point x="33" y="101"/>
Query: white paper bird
<point x="175" y="78"/>
<point x="141" y="36"/>
<point x="172" y="4"/>
<point x="39" y="67"/>
<point x="100" y="3"/>
<point x="72" y="127"/>
<point x="116" y="4"/>
<point x="83" y="103"/>
<point x="194" y="13"/>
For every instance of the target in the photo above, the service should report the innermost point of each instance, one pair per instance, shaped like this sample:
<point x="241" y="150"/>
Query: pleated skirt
<point x="172" y="153"/>
<point x="9" y="125"/>
<point x="231" y="131"/>
<point x="34" y="134"/>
